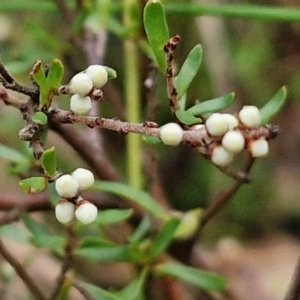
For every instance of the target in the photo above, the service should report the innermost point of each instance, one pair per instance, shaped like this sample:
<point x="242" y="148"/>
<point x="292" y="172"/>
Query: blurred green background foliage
<point x="253" y="58"/>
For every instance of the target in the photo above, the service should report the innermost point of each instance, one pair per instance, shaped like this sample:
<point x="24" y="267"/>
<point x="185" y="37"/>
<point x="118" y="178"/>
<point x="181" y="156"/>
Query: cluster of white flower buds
<point x="69" y="186"/>
<point x="233" y="133"/>
<point x="228" y="133"/>
<point x="84" y="85"/>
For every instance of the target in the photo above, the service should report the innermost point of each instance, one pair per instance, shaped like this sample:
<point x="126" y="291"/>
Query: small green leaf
<point x="139" y="197"/>
<point x="188" y="70"/>
<point x="185" y="117"/>
<point x="38" y="74"/>
<point x="189" y="224"/>
<point x="99" y="293"/>
<point x="157" y="31"/>
<point x="33" y="185"/>
<point x="151" y="140"/>
<point x="34" y="227"/>
<point x="164" y="238"/>
<point x="135" y="290"/>
<point x="211" y="106"/>
<point x="112" y="216"/>
<point x="14" y="233"/>
<point x="21" y="162"/>
<point x="49" y="162"/>
<point x="53" y="242"/>
<point x="142" y="229"/>
<point x="273" y="106"/>
<point x="55" y="75"/>
<point x="182" y="102"/>
<point x="102" y="251"/>
<point x="204" y="280"/>
<point x="40" y="118"/>
<point x="111" y="73"/>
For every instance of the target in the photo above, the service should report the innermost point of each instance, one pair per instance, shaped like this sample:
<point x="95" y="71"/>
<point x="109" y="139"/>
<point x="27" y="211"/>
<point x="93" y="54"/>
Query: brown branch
<point x="225" y="196"/>
<point x="294" y="290"/>
<point x="28" y="281"/>
<point x="66" y="264"/>
<point x="10" y="100"/>
<point x="25" y="202"/>
<point x="101" y="165"/>
<point x="171" y="90"/>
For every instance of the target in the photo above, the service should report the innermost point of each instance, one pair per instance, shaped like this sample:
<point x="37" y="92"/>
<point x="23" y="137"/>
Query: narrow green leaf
<point x="139" y="197"/>
<point x="65" y="290"/>
<point x="157" y="31"/>
<point x="96" y="250"/>
<point x="53" y="242"/>
<point x="34" y="227"/>
<point x="186" y="117"/>
<point x="38" y="74"/>
<point x="49" y="162"/>
<point x="164" y="238"/>
<point x="141" y="231"/>
<point x="111" y="73"/>
<point x="188" y="70"/>
<point x="103" y="254"/>
<point x="211" y="106"/>
<point x="151" y="140"/>
<point x="14" y="233"/>
<point x="135" y="290"/>
<point x="16" y="157"/>
<point x="55" y="75"/>
<point x="102" y="294"/>
<point x="273" y="106"/>
<point x="40" y="118"/>
<point x="111" y="216"/>
<point x="33" y="185"/>
<point x="182" y="102"/>
<point x="204" y="280"/>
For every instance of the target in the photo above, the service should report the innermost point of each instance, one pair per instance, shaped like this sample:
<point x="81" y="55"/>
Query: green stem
<point x="132" y="97"/>
<point x="258" y="12"/>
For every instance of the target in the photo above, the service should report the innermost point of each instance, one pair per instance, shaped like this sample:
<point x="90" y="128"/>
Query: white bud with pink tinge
<point x="65" y="211"/>
<point x="86" y="212"/>
<point x="221" y="157"/>
<point x="258" y="148"/>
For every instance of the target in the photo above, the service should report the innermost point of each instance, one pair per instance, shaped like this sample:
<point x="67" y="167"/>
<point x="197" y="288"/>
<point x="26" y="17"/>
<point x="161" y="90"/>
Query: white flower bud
<point x="258" y="148"/>
<point x="98" y="74"/>
<point x="80" y="105"/>
<point x="81" y="84"/>
<point x="84" y="178"/>
<point x="233" y="141"/>
<point x="66" y="186"/>
<point x="216" y="124"/>
<point x="171" y="134"/>
<point x="232" y="121"/>
<point x="65" y="211"/>
<point x="86" y="212"/>
<point x="221" y="157"/>
<point x="250" y="116"/>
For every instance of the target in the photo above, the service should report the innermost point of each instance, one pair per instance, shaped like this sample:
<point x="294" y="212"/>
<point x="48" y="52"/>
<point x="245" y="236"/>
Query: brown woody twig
<point x="17" y="266"/>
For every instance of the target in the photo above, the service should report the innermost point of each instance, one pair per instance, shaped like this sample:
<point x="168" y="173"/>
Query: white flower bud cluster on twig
<point x="84" y="85"/>
<point x="69" y="186"/>
<point x="231" y="136"/>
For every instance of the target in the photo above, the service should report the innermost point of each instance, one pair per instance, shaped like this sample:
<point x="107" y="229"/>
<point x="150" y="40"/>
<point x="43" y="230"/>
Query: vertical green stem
<point x="132" y="94"/>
